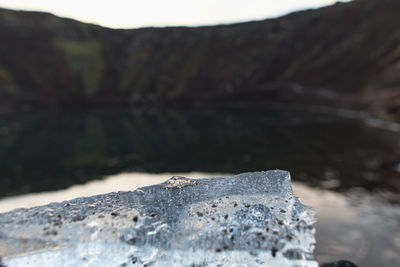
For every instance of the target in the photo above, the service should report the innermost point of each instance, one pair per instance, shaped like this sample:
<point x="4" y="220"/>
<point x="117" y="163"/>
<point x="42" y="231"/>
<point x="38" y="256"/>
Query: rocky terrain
<point x="345" y="55"/>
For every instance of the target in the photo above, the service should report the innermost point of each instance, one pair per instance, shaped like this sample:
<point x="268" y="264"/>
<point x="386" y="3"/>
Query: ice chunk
<point x="251" y="219"/>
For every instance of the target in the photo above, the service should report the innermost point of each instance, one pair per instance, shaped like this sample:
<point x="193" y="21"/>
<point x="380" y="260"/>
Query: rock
<point x="249" y="219"/>
<point x="341" y="263"/>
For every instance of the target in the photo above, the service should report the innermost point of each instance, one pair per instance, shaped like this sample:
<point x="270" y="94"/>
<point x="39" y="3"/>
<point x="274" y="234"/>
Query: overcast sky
<point x="140" y="13"/>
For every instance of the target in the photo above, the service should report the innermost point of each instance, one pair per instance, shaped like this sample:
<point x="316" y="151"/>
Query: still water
<point x="345" y="168"/>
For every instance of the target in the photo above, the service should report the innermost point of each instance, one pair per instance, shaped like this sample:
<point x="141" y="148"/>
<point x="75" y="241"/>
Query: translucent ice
<point x="251" y="219"/>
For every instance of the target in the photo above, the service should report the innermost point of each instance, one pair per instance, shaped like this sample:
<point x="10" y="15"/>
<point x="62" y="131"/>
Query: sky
<point x="143" y="13"/>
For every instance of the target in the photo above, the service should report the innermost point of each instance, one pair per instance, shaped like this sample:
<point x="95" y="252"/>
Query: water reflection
<point x="50" y="152"/>
<point x="355" y="226"/>
<point x="346" y="169"/>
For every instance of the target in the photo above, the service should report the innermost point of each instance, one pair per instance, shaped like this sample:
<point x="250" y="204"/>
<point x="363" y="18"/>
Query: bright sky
<point x="140" y="13"/>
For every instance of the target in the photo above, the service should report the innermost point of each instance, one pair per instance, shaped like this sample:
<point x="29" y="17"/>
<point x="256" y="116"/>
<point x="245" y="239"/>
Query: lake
<point x="344" y="164"/>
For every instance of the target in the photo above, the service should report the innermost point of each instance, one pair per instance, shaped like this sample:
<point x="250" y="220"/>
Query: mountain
<point x="345" y="55"/>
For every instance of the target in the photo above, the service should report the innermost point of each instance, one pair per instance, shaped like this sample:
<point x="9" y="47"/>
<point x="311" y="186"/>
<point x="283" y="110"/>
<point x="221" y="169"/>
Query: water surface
<point x="42" y="152"/>
<point x="348" y="168"/>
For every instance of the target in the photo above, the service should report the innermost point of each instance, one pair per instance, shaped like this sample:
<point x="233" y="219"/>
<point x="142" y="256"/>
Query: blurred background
<point x="98" y="99"/>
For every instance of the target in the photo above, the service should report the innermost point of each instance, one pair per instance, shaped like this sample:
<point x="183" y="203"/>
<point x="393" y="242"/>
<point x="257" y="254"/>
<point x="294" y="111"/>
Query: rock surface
<point x="250" y="219"/>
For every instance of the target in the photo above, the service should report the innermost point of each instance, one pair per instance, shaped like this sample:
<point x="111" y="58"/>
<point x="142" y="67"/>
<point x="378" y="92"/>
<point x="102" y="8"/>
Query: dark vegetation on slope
<point x="347" y="54"/>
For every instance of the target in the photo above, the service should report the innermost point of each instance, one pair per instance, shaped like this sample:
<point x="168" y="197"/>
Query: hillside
<point x="347" y="54"/>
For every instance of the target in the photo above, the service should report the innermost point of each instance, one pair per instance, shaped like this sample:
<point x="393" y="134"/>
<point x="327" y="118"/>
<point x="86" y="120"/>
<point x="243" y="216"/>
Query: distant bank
<point x="343" y="55"/>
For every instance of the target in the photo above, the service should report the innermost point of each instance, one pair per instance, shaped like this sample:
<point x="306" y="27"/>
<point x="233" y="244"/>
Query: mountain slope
<point x="342" y="54"/>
